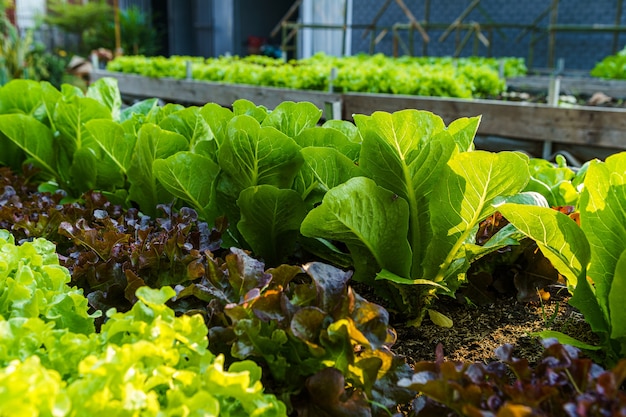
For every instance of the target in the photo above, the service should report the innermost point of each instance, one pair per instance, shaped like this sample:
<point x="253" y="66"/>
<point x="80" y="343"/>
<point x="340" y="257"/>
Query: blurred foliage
<point x="93" y="23"/>
<point x="20" y="55"/>
<point x="87" y="21"/>
<point x="612" y="66"/>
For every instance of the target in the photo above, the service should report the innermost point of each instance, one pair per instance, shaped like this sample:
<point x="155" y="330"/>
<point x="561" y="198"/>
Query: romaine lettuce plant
<point x="48" y="129"/>
<point x="591" y="256"/>
<point x="413" y="217"/>
<point x="558" y="183"/>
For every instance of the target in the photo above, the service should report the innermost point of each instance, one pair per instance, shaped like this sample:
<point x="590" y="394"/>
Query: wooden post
<point x="118" y="35"/>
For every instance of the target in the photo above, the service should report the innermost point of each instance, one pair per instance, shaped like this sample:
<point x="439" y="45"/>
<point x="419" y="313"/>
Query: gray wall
<point x="217" y="27"/>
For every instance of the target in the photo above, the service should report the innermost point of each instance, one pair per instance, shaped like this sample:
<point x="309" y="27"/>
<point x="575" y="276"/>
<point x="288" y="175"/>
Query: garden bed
<point x="598" y="130"/>
<point x="257" y="258"/>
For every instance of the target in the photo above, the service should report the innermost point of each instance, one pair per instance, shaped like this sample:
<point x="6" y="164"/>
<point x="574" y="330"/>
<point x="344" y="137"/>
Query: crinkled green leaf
<point x="345" y="127"/>
<point x="553" y="182"/>
<point x="292" y="118"/>
<point x="106" y="91"/>
<point x="190" y="177"/>
<point x="270" y="221"/>
<point x="372" y="221"/>
<point x="70" y="117"/>
<point x="33" y="284"/>
<point x="255" y="155"/>
<point x="217" y="118"/>
<point x="29" y="389"/>
<point x="323" y="169"/>
<point x="464" y="196"/>
<point x="24" y="97"/>
<point x="33" y="137"/>
<point x="560" y="239"/>
<point x="190" y="124"/>
<point x="152" y="143"/>
<point x="329" y="138"/>
<point x="243" y="106"/>
<point x="144" y="108"/>
<point x="116" y="143"/>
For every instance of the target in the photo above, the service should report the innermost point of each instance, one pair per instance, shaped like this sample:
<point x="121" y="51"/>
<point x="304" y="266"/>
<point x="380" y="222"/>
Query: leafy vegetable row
<point x="611" y="67"/>
<point x="315" y="339"/>
<point x="142" y="362"/>
<point x="400" y="197"/>
<point x="425" y="76"/>
<point x="252" y="326"/>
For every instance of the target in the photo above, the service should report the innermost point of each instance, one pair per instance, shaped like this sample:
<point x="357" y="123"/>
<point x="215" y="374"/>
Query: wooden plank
<point x="202" y="92"/>
<point x="604" y="127"/>
<point x="571" y="85"/>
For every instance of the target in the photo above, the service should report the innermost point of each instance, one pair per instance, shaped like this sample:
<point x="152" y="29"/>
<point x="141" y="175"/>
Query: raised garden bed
<point x="599" y="130"/>
<point x="400" y="204"/>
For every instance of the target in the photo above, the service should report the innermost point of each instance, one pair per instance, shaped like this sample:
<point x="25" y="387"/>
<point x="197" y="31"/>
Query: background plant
<point x="448" y="77"/>
<point x="20" y="55"/>
<point x="87" y="21"/>
<point x="612" y="66"/>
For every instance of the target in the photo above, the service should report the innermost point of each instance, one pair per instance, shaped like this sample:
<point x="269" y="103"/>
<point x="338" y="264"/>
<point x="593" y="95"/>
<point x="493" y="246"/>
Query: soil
<point x="478" y="330"/>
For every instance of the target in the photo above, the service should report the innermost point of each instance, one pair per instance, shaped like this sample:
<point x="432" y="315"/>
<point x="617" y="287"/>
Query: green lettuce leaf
<point x="270" y="221"/>
<point x="255" y="155"/>
<point x="190" y="124"/>
<point x="292" y="118"/>
<point x="152" y="143"/>
<point x="560" y="239"/>
<point x="106" y="91"/>
<point x="372" y="221"/>
<point x="190" y="177"/>
<point x="464" y="196"/>
<point x="34" y="138"/>
<point x="324" y="168"/>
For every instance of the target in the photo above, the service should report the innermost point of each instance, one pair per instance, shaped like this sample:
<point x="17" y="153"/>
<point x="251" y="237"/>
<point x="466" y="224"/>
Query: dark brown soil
<point x="479" y="330"/>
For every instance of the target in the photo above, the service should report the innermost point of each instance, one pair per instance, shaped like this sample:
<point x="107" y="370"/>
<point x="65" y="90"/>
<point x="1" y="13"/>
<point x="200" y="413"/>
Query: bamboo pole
<point x="413" y="20"/>
<point x="372" y="26"/>
<point x="458" y="20"/>
<point x="118" y="35"/>
<point x="286" y="17"/>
